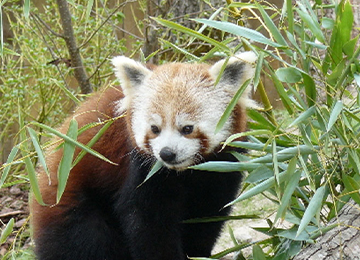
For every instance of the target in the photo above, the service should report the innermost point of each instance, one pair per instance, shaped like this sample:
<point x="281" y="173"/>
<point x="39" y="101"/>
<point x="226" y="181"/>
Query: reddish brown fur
<point x="90" y="171"/>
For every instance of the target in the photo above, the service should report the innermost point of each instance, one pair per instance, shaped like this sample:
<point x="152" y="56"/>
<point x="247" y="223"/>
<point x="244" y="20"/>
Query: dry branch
<point x="76" y="61"/>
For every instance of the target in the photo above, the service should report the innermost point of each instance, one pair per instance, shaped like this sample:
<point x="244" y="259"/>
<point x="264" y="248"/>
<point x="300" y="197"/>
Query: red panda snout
<point x="167" y="155"/>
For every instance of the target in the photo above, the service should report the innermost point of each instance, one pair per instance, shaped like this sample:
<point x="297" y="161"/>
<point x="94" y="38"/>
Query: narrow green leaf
<point x="190" y="32"/>
<point x="310" y="89"/>
<point x="68" y="139"/>
<point x="9" y="160"/>
<point x="247" y="133"/>
<point x="92" y="142"/>
<point x="26" y="9"/>
<point x="231" y="106"/>
<point x="239" y="31"/>
<point x="282" y="93"/>
<point x="7" y="231"/>
<point x="334" y="114"/>
<point x="66" y="160"/>
<point x="303" y="116"/>
<point x="1" y="33"/>
<point x="156" y="167"/>
<point x="289" y="190"/>
<point x="30" y="169"/>
<point x="275" y="32"/>
<point x="311" y="24"/>
<point x="179" y="49"/>
<point x="275" y="162"/>
<point x="261" y="187"/>
<point x="288" y="75"/>
<point x="89" y="7"/>
<point x="214" y="166"/>
<point x="258" y="254"/>
<point x="38" y="150"/>
<point x="353" y="187"/>
<point x="313" y="207"/>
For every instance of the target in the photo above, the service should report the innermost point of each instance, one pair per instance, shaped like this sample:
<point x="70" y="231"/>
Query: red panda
<point x="107" y="211"/>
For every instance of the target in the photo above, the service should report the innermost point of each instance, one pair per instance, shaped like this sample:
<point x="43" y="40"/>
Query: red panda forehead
<point x="180" y="89"/>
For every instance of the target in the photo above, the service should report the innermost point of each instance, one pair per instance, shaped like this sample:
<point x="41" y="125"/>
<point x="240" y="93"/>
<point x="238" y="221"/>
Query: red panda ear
<point x="131" y="75"/>
<point x="237" y="70"/>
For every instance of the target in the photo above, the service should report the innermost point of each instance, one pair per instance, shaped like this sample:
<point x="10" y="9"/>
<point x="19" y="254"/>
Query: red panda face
<point x="175" y="108"/>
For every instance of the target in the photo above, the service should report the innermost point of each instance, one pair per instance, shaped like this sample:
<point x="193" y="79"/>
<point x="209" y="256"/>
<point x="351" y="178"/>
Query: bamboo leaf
<point x="304" y="116"/>
<point x="89" y="7"/>
<point x="231" y="106"/>
<point x="92" y="142"/>
<point x="257" y="252"/>
<point x="261" y="187"/>
<point x="313" y="207"/>
<point x="190" y="32"/>
<point x="66" y="161"/>
<point x="288" y="75"/>
<point x="156" y="167"/>
<point x="247" y="133"/>
<point x="38" y="150"/>
<point x="30" y="169"/>
<point x="214" y="166"/>
<point x="7" y="231"/>
<point x="26" y="9"/>
<point x="289" y="190"/>
<point x="239" y="31"/>
<point x="70" y="140"/>
<point x="334" y="114"/>
<point x="9" y="160"/>
<point x="353" y="187"/>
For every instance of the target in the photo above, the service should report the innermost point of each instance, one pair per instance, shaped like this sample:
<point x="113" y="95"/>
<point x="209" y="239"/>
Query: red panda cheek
<point x="204" y="140"/>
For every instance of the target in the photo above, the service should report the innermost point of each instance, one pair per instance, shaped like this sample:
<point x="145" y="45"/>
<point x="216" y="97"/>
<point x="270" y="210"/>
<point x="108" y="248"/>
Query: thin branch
<point x="76" y="61"/>
<point x="46" y="26"/>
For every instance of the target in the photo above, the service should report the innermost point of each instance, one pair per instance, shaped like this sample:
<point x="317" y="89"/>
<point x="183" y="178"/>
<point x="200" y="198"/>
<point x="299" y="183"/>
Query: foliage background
<point x="303" y="157"/>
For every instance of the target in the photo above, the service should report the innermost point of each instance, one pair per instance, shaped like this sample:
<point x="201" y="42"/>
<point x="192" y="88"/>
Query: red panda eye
<point x="155" y="129"/>
<point x="188" y="129"/>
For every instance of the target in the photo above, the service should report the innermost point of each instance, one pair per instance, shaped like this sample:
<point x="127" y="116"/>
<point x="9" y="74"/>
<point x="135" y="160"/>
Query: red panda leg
<point x="82" y="233"/>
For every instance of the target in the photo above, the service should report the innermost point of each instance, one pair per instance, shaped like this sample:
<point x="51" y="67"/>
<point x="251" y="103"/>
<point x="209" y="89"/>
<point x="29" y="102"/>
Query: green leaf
<point x="313" y="207"/>
<point x="310" y="89"/>
<point x="289" y="190"/>
<point x="38" y="150"/>
<point x="7" y="231"/>
<point x="258" y="254"/>
<point x="89" y="7"/>
<point x="273" y="29"/>
<point x="247" y="133"/>
<point x="181" y="50"/>
<point x="92" y="142"/>
<point x="288" y="75"/>
<point x="231" y="106"/>
<point x="190" y="32"/>
<point x="311" y="23"/>
<point x="70" y="140"/>
<point x="156" y="167"/>
<point x="259" y="188"/>
<point x="334" y="114"/>
<point x="219" y="166"/>
<point x="30" y="169"/>
<point x="66" y="160"/>
<point x="8" y="163"/>
<point x="26" y="9"/>
<point x="353" y="187"/>
<point x="303" y="116"/>
<point x="239" y="31"/>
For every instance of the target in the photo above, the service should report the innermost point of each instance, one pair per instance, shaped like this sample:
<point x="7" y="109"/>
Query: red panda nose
<point x="167" y="155"/>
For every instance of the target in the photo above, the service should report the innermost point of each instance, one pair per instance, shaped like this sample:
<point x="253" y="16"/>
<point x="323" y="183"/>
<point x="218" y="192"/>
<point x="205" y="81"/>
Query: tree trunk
<point x="342" y="242"/>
